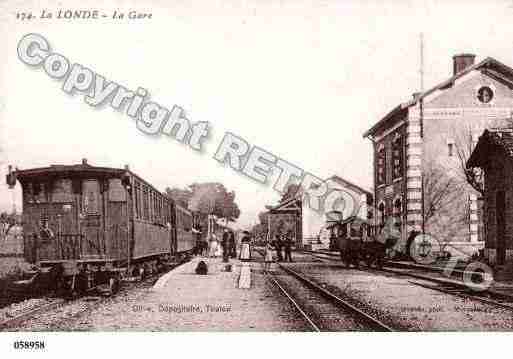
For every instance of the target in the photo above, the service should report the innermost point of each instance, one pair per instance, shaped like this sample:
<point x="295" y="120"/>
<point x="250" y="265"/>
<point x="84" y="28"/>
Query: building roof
<point x="290" y="204"/>
<point x="489" y="141"/>
<point x="493" y="67"/>
<point x="349" y="184"/>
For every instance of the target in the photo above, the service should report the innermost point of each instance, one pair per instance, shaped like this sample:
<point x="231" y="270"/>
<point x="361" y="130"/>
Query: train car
<point x="91" y="225"/>
<point x="357" y="241"/>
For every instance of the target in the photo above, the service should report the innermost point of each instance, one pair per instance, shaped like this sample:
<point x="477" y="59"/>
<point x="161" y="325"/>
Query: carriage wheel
<point x="369" y="260"/>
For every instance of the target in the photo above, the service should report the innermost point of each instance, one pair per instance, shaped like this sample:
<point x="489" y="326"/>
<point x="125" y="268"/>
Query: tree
<point x="446" y="206"/>
<point x="465" y="143"/>
<point x="7" y="221"/>
<point x="213" y="198"/>
<point x="180" y="196"/>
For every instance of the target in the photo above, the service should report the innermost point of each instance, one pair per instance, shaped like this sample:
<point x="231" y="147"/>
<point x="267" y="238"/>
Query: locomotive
<point x="357" y="240"/>
<point x="86" y="226"/>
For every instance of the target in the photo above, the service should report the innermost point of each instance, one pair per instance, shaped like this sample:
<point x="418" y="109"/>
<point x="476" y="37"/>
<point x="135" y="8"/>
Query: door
<point x="500" y="211"/>
<point x="92" y="222"/>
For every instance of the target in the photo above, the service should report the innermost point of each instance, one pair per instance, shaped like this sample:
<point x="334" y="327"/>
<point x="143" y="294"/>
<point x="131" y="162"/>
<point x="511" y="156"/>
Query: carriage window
<point x="151" y="205"/>
<point x="28" y="192"/>
<point x="116" y="191"/>
<point x="136" y="199"/>
<point x="91" y="197"/>
<point x="39" y="192"/>
<point x="155" y="207"/>
<point x="61" y="192"/>
<point x="161" y="206"/>
<point x="145" y="203"/>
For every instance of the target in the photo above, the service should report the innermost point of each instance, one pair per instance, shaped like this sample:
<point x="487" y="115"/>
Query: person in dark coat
<point x="287" y="245"/>
<point x="232" y="245"/>
<point x="278" y="245"/>
<point x="225" y="245"/>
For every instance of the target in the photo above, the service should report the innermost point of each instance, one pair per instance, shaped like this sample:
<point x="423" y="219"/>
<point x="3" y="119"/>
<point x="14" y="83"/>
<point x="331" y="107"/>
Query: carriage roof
<point x="79" y="170"/>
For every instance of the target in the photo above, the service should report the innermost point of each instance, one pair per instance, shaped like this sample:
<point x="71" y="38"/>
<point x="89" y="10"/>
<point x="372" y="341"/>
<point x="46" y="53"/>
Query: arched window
<point x="397" y="156"/>
<point x="381" y="210"/>
<point x="398" y="210"/>
<point x="381" y="165"/>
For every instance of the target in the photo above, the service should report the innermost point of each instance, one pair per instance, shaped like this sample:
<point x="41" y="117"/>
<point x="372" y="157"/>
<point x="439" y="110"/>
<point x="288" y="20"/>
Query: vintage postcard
<point x="255" y="166"/>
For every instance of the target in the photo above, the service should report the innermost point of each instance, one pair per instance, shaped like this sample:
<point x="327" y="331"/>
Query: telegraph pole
<point x="421" y="120"/>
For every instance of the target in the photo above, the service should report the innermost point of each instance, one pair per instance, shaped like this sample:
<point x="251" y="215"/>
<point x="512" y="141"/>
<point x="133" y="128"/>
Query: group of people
<point x="283" y="247"/>
<point x="227" y="247"/>
<point x="214" y="248"/>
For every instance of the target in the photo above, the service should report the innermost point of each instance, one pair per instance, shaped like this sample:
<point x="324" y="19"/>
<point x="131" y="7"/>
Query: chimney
<point x="461" y="62"/>
<point x="84" y="161"/>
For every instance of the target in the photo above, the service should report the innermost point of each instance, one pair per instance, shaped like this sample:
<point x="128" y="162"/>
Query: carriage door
<point x="92" y="224"/>
<point x="500" y="209"/>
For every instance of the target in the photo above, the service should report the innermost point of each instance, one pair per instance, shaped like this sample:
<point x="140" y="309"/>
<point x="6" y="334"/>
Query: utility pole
<point x="421" y="120"/>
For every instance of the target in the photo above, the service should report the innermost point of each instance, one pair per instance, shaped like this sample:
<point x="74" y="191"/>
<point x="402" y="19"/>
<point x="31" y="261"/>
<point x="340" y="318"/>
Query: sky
<point x="300" y="79"/>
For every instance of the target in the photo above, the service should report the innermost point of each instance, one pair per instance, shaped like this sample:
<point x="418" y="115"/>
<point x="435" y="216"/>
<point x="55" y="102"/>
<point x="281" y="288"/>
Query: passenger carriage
<point x="89" y="225"/>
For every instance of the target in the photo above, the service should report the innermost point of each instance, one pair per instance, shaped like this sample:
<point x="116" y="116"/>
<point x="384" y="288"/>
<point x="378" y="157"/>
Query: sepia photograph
<point x="234" y="167"/>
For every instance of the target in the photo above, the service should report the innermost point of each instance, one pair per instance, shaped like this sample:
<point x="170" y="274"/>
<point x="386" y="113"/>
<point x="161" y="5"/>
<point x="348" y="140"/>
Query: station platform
<point x="182" y="300"/>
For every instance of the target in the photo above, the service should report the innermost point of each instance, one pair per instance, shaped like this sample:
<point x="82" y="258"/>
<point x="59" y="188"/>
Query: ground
<point x="182" y="300"/>
<point x="186" y="302"/>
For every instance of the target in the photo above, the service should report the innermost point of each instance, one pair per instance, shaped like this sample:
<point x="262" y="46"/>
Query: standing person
<point x="204" y="247"/>
<point x="268" y="258"/>
<point x="278" y="245"/>
<point x="219" y="249"/>
<point x="232" y="245"/>
<point x="225" y="245"/>
<point x="288" y="247"/>
<point x="245" y="248"/>
<point x="213" y="245"/>
<point x="198" y="249"/>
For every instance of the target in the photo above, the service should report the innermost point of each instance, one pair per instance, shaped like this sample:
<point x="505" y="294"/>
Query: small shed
<point x="493" y="154"/>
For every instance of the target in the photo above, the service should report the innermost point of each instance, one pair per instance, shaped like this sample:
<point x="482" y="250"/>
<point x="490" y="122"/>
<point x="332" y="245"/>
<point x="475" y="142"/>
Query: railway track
<point x="20" y="318"/>
<point x="322" y="310"/>
<point x="86" y="302"/>
<point x="444" y="286"/>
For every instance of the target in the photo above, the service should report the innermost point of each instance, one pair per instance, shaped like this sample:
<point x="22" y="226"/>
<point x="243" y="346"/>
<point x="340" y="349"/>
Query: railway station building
<point x="311" y="227"/>
<point x="420" y="149"/>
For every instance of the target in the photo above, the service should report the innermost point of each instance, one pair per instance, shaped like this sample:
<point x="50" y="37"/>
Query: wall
<point x="498" y="178"/>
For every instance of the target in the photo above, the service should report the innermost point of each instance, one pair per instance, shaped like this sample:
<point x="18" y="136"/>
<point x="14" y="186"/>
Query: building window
<point x="450" y="149"/>
<point x="398" y="210"/>
<point x="397" y="157"/>
<point x="381" y="210"/>
<point x="485" y="94"/>
<point x="381" y="166"/>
